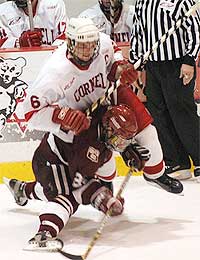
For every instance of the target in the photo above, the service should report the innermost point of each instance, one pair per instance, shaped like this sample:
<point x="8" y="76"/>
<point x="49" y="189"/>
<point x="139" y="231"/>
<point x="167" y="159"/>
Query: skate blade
<point x="158" y="186"/>
<point x="50" y="246"/>
<point x="181" y="175"/>
<point x="6" y="181"/>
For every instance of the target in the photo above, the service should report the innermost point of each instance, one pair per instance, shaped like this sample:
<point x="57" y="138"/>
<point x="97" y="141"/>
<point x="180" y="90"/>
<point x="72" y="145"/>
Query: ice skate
<point x="167" y="183"/>
<point x="43" y="241"/>
<point x="16" y="187"/>
<point x="178" y="172"/>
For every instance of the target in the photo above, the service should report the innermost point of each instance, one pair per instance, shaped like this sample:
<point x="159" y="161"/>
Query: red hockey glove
<point x="123" y="70"/>
<point x="31" y="38"/>
<point x="136" y="156"/>
<point x="71" y="119"/>
<point x="105" y="201"/>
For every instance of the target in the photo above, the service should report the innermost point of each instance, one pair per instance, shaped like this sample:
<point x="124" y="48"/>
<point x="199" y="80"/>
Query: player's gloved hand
<point x="71" y="119"/>
<point x="123" y="70"/>
<point x="197" y="100"/>
<point x="127" y="73"/>
<point x="31" y="38"/>
<point x="104" y="201"/>
<point x="136" y="156"/>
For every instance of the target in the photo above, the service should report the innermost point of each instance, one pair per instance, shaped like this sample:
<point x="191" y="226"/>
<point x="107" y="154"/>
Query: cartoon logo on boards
<point x="12" y="89"/>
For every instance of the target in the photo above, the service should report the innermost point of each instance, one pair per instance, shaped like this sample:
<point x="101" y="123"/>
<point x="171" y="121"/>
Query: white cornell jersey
<point x="63" y="83"/>
<point x="50" y="17"/>
<point x="122" y="29"/>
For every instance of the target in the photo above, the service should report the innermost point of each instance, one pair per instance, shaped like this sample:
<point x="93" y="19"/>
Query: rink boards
<point x="18" y="69"/>
<point x="23" y="170"/>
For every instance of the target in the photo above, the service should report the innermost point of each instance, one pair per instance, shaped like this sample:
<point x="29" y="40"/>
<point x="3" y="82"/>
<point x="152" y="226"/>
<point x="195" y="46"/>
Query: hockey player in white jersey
<point x="123" y="20"/>
<point x="49" y="19"/>
<point x="73" y="79"/>
<point x="123" y="24"/>
<point x="75" y="76"/>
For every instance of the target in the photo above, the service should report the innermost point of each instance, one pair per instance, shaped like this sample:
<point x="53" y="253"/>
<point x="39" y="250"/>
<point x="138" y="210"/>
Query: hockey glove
<point x="123" y="70"/>
<point x="31" y="38"/>
<point x="104" y="201"/>
<point x="71" y="119"/>
<point x="136" y="156"/>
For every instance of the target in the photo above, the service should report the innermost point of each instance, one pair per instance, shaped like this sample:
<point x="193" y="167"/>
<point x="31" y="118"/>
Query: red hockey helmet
<point x="119" y="126"/>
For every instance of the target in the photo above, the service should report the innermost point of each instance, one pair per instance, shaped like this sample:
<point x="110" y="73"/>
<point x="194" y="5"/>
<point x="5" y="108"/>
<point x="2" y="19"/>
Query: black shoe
<point x="178" y="172"/>
<point x="167" y="183"/>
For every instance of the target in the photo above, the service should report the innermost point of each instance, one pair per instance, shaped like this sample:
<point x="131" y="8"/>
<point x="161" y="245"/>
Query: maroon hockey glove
<point x="136" y="156"/>
<point x="31" y="38"/>
<point x="104" y="201"/>
<point x="71" y="119"/>
<point x="125" y="71"/>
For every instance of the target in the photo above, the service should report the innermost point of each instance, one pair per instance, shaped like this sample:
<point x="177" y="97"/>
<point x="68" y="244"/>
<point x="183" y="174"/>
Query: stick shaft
<point x="30" y="14"/>
<point x="107" y="215"/>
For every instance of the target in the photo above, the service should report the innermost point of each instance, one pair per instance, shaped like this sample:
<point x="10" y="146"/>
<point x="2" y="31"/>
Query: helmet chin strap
<point x="81" y="62"/>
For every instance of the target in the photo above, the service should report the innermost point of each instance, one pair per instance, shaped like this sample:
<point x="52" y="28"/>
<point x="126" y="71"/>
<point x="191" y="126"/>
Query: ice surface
<point x="155" y="225"/>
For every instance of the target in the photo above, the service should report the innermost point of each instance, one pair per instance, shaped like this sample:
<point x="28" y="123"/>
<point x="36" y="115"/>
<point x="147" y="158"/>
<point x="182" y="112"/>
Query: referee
<point x="170" y="79"/>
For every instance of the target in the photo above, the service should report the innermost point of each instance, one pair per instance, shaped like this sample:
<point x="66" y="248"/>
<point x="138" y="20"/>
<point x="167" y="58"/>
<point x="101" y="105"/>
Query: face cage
<point x="71" y="47"/>
<point x="21" y="3"/>
<point x="114" y="142"/>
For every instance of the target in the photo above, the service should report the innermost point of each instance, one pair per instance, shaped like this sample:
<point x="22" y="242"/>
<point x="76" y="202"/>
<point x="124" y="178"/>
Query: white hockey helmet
<point x="82" y="30"/>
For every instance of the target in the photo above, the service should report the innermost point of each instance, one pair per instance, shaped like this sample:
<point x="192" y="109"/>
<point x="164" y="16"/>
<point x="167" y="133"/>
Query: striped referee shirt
<point x="153" y="18"/>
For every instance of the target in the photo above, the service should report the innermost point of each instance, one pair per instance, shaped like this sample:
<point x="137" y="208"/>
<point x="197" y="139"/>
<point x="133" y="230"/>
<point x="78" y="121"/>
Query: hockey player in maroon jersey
<point x="89" y="159"/>
<point x="76" y="153"/>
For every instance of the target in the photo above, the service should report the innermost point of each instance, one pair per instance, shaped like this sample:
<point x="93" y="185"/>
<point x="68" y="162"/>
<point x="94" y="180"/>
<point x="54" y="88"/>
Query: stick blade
<point x="70" y="256"/>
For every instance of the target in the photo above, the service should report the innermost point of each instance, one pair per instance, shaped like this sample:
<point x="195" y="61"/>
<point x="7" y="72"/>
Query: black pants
<point x="174" y="111"/>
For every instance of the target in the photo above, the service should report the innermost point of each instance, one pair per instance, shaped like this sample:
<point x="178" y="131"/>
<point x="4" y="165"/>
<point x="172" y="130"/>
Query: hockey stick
<point x="145" y="57"/>
<point x="30" y="14"/>
<point x="102" y="223"/>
